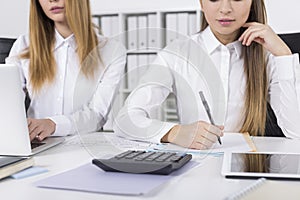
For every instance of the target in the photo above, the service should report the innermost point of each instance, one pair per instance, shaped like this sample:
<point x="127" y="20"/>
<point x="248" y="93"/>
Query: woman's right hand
<point x="198" y="135"/>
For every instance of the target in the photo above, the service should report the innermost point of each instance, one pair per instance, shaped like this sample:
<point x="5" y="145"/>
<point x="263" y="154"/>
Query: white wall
<point x="14" y="17"/>
<point x="284" y="15"/>
<point x="99" y="6"/>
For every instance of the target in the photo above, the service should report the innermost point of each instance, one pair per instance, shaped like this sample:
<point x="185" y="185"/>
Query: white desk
<point x="202" y="182"/>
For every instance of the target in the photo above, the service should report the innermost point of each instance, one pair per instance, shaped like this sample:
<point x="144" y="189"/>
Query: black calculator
<point x="144" y="162"/>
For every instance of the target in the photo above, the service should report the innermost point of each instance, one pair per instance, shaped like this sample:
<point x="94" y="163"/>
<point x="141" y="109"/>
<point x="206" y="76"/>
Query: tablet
<point x="257" y="165"/>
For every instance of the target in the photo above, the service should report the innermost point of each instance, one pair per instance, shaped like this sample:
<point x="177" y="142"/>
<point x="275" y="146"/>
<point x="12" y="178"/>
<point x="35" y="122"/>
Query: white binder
<point x="132" y="71"/>
<point x="192" y="24"/>
<point x="182" y="25"/>
<point x="142" y="32"/>
<point x="171" y="27"/>
<point x="105" y="26"/>
<point x="152" y="32"/>
<point x="132" y="33"/>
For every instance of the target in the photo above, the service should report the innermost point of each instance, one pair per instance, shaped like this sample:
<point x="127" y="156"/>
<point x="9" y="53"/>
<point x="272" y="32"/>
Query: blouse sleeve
<point x="283" y="93"/>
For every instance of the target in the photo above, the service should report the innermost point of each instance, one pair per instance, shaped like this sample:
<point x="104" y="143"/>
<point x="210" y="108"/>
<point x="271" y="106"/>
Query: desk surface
<point x="204" y="181"/>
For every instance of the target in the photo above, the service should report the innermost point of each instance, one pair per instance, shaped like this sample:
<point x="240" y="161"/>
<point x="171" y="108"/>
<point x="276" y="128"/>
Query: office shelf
<point x="144" y="34"/>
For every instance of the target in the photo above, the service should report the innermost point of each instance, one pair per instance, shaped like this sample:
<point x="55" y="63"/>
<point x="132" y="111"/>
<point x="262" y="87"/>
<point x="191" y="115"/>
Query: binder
<point x="192" y="24"/>
<point x="142" y="32"/>
<point x="106" y="26"/>
<point x="132" y="33"/>
<point x="182" y="25"/>
<point x="143" y="64"/>
<point x="152" y="32"/>
<point x="132" y="71"/>
<point x="115" y="27"/>
<point x="171" y="27"/>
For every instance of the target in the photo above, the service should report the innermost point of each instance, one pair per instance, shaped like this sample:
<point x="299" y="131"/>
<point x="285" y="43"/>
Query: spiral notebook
<point x="266" y="189"/>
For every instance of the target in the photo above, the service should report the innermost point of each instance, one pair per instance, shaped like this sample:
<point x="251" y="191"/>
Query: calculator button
<point x="154" y="156"/>
<point x="133" y="154"/>
<point x="121" y="155"/>
<point x="164" y="157"/>
<point x="143" y="156"/>
<point x="174" y="158"/>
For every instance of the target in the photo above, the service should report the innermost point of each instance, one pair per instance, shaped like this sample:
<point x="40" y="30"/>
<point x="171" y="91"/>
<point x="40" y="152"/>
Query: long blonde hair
<point x="42" y="65"/>
<point x="255" y="102"/>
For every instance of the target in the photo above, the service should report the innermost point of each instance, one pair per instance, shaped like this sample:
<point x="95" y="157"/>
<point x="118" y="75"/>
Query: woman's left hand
<point x="264" y="35"/>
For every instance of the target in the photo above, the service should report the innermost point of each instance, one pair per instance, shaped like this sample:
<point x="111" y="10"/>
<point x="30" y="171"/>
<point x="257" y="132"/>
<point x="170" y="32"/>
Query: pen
<point x="205" y="104"/>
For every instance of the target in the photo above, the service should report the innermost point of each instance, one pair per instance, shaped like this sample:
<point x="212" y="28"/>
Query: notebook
<point x="14" y="136"/>
<point x="11" y="165"/>
<point x="266" y="189"/>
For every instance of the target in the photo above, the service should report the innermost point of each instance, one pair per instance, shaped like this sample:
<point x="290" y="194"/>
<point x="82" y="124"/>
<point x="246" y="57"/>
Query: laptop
<point x="270" y="165"/>
<point x="14" y="135"/>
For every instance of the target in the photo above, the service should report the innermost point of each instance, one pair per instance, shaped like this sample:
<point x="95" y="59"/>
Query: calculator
<point x="144" y="162"/>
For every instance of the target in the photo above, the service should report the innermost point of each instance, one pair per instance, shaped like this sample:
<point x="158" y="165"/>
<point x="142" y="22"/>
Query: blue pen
<point x="205" y="104"/>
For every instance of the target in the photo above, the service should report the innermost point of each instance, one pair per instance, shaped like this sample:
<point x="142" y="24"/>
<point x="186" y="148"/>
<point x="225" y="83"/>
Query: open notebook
<point x="241" y="142"/>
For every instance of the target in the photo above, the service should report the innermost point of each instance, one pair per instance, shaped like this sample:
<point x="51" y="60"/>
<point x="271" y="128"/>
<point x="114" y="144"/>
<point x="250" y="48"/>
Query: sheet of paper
<point x="106" y="139"/>
<point x="90" y="178"/>
<point x="230" y="142"/>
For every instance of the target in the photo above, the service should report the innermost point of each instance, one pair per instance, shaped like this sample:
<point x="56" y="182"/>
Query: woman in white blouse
<point x="70" y="72"/>
<point x="253" y="66"/>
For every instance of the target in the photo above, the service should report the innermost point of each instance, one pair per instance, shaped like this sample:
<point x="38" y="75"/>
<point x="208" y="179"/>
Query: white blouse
<point x="202" y="63"/>
<point x="72" y="101"/>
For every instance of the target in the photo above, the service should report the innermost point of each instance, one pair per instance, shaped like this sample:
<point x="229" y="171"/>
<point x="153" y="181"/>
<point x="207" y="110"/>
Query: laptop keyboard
<point x="36" y="144"/>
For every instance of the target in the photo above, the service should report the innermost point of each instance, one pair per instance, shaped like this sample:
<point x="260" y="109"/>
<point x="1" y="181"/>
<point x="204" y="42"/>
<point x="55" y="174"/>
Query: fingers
<point x="198" y="135"/>
<point x="43" y="135"/>
<point x="33" y="129"/>
<point x="216" y="130"/>
<point x="254" y="32"/>
<point x="40" y="128"/>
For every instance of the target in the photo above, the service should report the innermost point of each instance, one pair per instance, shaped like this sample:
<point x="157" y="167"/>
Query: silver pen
<point x="205" y="104"/>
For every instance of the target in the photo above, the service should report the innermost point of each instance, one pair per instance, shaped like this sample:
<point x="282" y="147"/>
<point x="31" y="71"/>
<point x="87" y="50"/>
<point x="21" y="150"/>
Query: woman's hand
<point x="264" y="35"/>
<point x="40" y="128"/>
<point x="198" y="135"/>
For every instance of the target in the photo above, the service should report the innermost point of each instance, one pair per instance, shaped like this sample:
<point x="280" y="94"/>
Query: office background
<point x="283" y="15"/>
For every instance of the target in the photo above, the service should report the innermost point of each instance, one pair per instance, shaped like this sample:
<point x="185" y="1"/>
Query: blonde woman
<point x="254" y="65"/>
<point x="70" y="72"/>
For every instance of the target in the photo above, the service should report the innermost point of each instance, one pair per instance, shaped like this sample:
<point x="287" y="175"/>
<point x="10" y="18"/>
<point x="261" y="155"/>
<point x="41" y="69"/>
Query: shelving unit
<point x="144" y="34"/>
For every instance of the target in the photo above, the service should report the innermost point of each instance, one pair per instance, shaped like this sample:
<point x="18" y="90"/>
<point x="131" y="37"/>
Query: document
<point x="89" y="178"/>
<point x="230" y="142"/>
